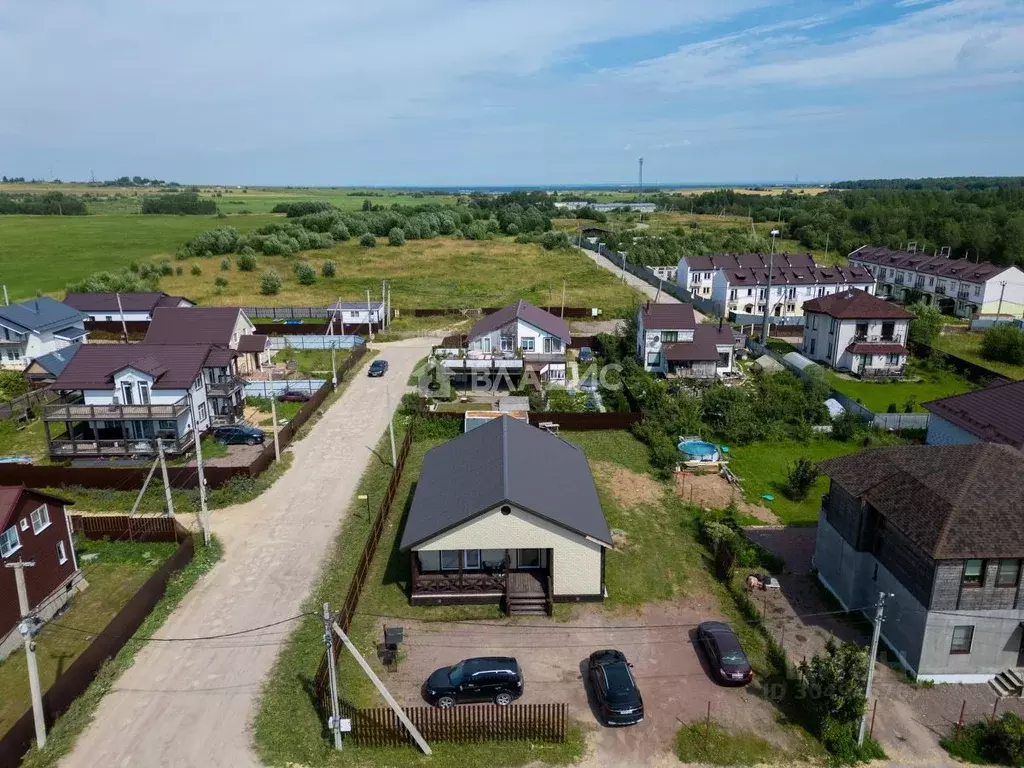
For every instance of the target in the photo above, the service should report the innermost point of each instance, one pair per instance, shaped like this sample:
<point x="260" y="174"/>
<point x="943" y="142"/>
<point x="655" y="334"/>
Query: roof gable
<point x="854" y="303"/>
<point x="174" y="366"/>
<point x="130" y="302"/>
<point x="11" y="496"/>
<point x="192" y="325"/>
<point x="41" y="314"/>
<point x="521" y="310"/>
<point x="668" y="317"/>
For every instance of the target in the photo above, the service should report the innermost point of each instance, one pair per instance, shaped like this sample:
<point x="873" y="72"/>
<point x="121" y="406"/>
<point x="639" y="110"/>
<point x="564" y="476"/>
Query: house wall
<point x="995" y="647"/>
<point x="362" y="316"/>
<point x="521" y="331"/>
<point x="47" y="579"/>
<point x="243" y="327"/>
<point x="577" y="560"/>
<point x="34" y="345"/>
<point x="942" y="432"/>
<point x="788" y="299"/>
<point x="649" y="342"/>
<point x="948" y="595"/>
<point x="115" y="316"/>
<point x="1013" y="295"/>
<point x="157" y="397"/>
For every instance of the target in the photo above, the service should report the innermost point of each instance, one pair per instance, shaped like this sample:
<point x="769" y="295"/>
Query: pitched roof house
<point x="43" y="370"/>
<point x="34" y="526"/>
<point x="994" y="414"/>
<point x="697" y="273"/>
<point x="939" y="527"/>
<point x="35" y="328"/>
<point x="669" y="341"/>
<point x="222" y="326"/>
<point x="506" y="513"/>
<point x="134" y="307"/>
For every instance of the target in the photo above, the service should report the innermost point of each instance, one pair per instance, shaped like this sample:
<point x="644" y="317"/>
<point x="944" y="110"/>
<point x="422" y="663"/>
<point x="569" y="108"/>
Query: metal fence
<point x="315" y="342"/>
<point x="287" y="313"/>
<point x="274" y="388"/>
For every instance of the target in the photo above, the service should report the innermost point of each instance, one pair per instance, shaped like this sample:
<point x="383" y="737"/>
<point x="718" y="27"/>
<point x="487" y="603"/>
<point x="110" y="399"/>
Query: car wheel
<point x="503" y="699"/>
<point x="446" y="702"/>
<point x="251" y="441"/>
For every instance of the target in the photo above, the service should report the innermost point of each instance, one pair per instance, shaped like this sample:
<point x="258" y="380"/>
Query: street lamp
<point x="768" y="295"/>
<point x="365" y="497"/>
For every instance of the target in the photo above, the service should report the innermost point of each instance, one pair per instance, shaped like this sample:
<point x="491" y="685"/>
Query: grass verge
<point x="62" y="736"/>
<point x="712" y="744"/>
<point x="968" y="347"/>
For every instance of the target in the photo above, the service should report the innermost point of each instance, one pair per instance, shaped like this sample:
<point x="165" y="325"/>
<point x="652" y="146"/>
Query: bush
<point x="892" y="408"/>
<point x="166" y="268"/>
<point x="340" y="232"/>
<point x="1000" y="742"/>
<point x="246" y="260"/>
<point x="12" y="384"/>
<point x="1003" y="343"/>
<point x="270" y="283"/>
<point x="225" y="264"/>
<point x="305" y="273"/>
<point x="179" y="271"/>
<point x="368" y="241"/>
<point x="328" y="268"/>
<point x="844" y="426"/>
<point x="512" y="229"/>
<point x="220" y="281"/>
<point x="396" y="237"/>
<point x="552" y="240"/>
<point x="801" y="478"/>
<point x="196" y="270"/>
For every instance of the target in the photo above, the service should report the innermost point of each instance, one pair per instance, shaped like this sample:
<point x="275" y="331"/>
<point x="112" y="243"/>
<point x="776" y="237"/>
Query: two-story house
<point x="669" y="341"/>
<point x="697" y="273"/>
<point x="958" y="286"/>
<point x="35" y="328"/>
<point x="742" y="294"/>
<point x="857" y="332"/>
<point x="34" y="526"/>
<point x="118" y="399"/>
<point x="130" y="307"/>
<point x="994" y="414"/>
<point x="227" y="327"/>
<point x="939" y="528"/>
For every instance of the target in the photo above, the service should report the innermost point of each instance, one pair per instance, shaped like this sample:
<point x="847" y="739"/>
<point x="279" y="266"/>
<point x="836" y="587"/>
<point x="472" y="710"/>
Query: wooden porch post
<point x="414" y="571"/>
<point x="462" y="553"/>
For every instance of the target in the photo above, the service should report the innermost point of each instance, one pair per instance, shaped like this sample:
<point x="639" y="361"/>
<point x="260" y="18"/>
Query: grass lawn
<point x="714" y="745"/>
<point x="781" y="346"/>
<point x="29" y="440"/>
<point x="968" y="346"/>
<point x="763" y="468"/>
<point x="878" y="395"/>
<point x="315" y="362"/>
<point x="44" y="253"/>
<point x="113" y="578"/>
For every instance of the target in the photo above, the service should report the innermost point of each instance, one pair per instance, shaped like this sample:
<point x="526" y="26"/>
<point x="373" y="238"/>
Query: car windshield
<point x="733" y="657"/>
<point x="457" y="673"/>
<point x="620" y="682"/>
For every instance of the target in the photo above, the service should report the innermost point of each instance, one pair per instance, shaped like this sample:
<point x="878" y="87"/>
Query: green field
<point x="44" y="253"/>
<point x="878" y="395"/>
<point x="968" y="346"/>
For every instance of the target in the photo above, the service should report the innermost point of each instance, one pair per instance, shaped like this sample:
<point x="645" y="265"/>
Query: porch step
<point x="527" y="605"/>
<point x="1008" y="683"/>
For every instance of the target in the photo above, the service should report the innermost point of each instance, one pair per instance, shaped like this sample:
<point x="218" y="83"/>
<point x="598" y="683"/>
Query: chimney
<point x="721" y="320"/>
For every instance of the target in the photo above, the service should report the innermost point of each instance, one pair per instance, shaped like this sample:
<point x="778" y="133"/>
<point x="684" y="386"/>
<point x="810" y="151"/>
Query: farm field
<point x="44" y="253"/>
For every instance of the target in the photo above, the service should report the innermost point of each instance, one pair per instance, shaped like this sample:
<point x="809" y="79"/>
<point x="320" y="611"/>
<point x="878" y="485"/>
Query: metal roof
<point x="994" y="414"/>
<point x="525" y="311"/>
<point x="192" y="325"/>
<point x="174" y="366"/>
<point x="504" y="461"/>
<point x="130" y="302"/>
<point x="56" y="362"/>
<point x="855" y="304"/>
<point x="39" y="315"/>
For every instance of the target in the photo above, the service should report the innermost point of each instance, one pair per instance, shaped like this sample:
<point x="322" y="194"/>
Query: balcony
<point x="893" y="338"/>
<point x="225" y="386"/>
<point x="69" y="448"/>
<point x="11" y="342"/>
<point x="940" y="289"/>
<point x="76" y="410"/>
<point x="964" y="294"/>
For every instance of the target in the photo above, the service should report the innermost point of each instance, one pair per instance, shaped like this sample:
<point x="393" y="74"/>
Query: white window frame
<point x="448" y="552"/>
<point x="62" y="555"/>
<point x="202" y="411"/>
<point x="6" y="550"/>
<point x="38" y="516"/>
<point x="466" y="566"/>
<point x="529" y="344"/>
<point x="24" y="523"/>
<point x="144" y="393"/>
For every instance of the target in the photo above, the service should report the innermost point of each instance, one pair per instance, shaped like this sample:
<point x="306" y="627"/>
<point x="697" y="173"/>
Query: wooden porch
<point x="517" y="590"/>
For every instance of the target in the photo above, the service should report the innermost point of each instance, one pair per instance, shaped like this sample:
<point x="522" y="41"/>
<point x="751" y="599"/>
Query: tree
<point x="832" y="684"/>
<point x="328" y="268"/>
<point x="926" y="325"/>
<point x="246" y="260"/>
<point x="368" y="240"/>
<point x="396" y="237"/>
<point x="305" y="273"/>
<point x="12" y="384"/>
<point x="196" y="270"/>
<point x="1003" y="343"/>
<point x="270" y="283"/>
<point x="225" y="264"/>
<point x="802" y="476"/>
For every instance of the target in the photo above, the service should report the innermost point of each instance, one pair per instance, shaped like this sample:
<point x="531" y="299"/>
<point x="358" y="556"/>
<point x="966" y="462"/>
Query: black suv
<point x="615" y="688"/>
<point x="489" y="678"/>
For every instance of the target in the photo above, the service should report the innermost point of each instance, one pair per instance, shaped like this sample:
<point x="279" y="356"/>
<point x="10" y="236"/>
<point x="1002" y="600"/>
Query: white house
<point x="697" y="273"/>
<point x="670" y="342"/>
<point x="741" y="293"/>
<point x="35" y="328"/>
<point x="227" y="327"/>
<point x="133" y="307"/>
<point x="119" y="398"/>
<point x="357" y="312"/>
<point x="960" y="287"/>
<point x="994" y="414"/>
<point x="857" y="332"/>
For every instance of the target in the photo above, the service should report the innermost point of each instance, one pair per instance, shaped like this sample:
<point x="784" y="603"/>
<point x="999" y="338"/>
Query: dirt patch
<point x="628" y="488"/>
<point x="710" y="489"/>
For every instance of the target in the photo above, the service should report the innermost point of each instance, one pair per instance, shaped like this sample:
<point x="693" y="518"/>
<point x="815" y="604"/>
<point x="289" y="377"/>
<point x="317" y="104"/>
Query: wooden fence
<point x="461" y="725"/>
<point x="10" y="409"/>
<point x="142" y="529"/>
<point x="136" y="328"/>
<point x="73" y="682"/>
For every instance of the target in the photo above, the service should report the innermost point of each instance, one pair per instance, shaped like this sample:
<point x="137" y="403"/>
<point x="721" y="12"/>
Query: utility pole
<point x="145" y="485"/>
<point x="1002" y="290"/>
<point x="623" y="265"/>
<point x="341" y="317"/>
<point x="657" y="298"/>
<point x="167" y="484"/>
<point x="369" y="317"/>
<point x="334" y="370"/>
<point x="120" y="311"/>
<point x="273" y="414"/>
<point x="204" y="520"/>
<point x="7" y="302"/>
<point x="25" y="630"/>
<point x="383" y="299"/>
<point x="335" y="722"/>
<point x="879" y="613"/>
<point x="562" y="313"/>
<point x="768" y="296"/>
<point x="391" y="426"/>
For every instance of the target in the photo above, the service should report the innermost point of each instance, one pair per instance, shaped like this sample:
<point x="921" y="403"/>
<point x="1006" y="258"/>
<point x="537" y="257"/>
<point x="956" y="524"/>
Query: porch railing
<point x="225" y="386"/>
<point x="65" y="448"/>
<point x="77" y="410"/>
<point x="892" y="338"/>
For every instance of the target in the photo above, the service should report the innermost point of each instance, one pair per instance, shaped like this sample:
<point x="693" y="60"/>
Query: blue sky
<point x="460" y="92"/>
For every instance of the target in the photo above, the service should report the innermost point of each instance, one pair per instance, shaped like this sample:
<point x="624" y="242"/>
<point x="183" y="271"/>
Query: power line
<point x="153" y="638"/>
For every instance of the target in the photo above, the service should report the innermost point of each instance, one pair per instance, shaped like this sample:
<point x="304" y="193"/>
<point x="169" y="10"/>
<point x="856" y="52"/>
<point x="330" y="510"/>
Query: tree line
<point x="46" y="204"/>
<point x="186" y="203"/>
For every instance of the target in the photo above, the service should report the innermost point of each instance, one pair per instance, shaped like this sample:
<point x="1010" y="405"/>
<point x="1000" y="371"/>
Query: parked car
<point x="377" y="368"/>
<point x="487" y="678"/>
<point x="615" y="688"/>
<point x="586" y="354"/>
<point x="725" y="653"/>
<point x="239" y="434"/>
<point x="294" y="396"/>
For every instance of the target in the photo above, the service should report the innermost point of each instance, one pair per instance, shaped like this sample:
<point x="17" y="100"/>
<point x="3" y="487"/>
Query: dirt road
<point x="631" y="280"/>
<point x="188" y="704"/>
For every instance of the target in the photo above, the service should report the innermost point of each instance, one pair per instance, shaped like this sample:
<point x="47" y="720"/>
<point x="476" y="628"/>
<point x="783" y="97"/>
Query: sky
<point x="507" y="92"/>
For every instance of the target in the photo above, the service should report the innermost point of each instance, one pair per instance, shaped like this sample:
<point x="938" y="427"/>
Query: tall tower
<point x="641" y="185"/>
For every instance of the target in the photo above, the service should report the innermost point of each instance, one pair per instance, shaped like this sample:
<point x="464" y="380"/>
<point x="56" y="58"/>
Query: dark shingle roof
<point x="704" y="347"/>
<point x="668" y="317"/>
<point x="192" y="325"/>
<point x="855" y="304"/>
<point x="745" y="260"/>
<point x="994" y="414"/>
<point x="799" y="276"/>
<point x="525" y="311"/>
<point x="130" y="302"/>
<point x="175" y="366"/>
<point x="953" y="501"/>
<point x="941" y="266"/>
<point x="504" y="461"/>
<point x="256" y="342"/>
<point x="39" y="315"/>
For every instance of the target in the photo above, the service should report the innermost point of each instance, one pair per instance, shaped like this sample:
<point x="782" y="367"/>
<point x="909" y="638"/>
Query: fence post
<point x="874" y="711"/>
<point x="707" y="726"/>
<point x="960" y="721"/>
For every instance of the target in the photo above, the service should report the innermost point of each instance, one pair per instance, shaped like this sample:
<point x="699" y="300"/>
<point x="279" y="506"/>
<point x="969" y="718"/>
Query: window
<point x="1007" y="572"/>
<point x="814" y="322"/>
<point x="974" y="573"/>
<point x="40" y="519"/>
<point x="430" y="561"/>
<point x="529" y="558"/>
<point x="198" y="384"/>
<point x="449" y="560"/>
<point x="654" y="358"/>
<point x="833" y="326"/>
<point x="963" y="636"/>
<point x="202" y="411"/>
<point x="977" y="290"/>
<point x="9" y="542"/>
<point x="144" y="393"/>
<point x="813" y="342"/>
<point x="528" y="344"/>
<point x="669" y="337"/>
<point x="24" y="523"/>
<point x="166" y="425"/>
<point x="894" y="359"/>
<point x="126" y="393"/>
<point x="62" y="556"/>
<point x="110" y="318"/>
<point x="493" y="559"/>
<point x="471" y="561"/>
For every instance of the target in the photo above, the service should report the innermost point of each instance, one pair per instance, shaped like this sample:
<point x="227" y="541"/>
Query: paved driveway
<point x="188" y="704"/>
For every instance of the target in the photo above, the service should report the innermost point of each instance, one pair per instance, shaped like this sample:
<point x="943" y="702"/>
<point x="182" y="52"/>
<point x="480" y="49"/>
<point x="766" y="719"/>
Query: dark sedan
<point x="725" y="653"/>
<point x="239" y="434"/>
<point x="615" y="688"/>
<point x="377" y="368"/>
<point x="294" y="396"/>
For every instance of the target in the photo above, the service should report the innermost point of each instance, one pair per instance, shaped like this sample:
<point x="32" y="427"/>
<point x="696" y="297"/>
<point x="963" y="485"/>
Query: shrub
<point x="179" y="271"/>
<point x="801" y="478"/>
<point x="1000" y="742"/>
<point x="1003" y="343"/>
<point x="246" y="260"/>
<point x="340" y="232"/>
<point x="910" y="404"/>
<point x="892" y="408"/>
<point x="270" y="283"/>
<point x="552" y="240"/>
<point x="396" y="237"/>
<point x="844" y="426"/>
<point x="196" y="270"/>
<point x="926" y="325"/>
<point x="368" y="241"/>
<point x="225" y="264"/>
<point x="166" y="268"/>
<point x="220" y="281"/>
<point x="305" y="273"/>
<point x="12" y="384"/>
<point x="328" y="268"/>
<point x="512" y="229"/>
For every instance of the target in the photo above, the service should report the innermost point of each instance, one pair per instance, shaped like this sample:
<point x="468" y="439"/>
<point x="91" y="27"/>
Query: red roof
<point x="256" y="342"/>
<point x="668" y="317"/>
<point x="173" y="366"/>
<point x="856" y="304"/>
<point x="130" y="302"/>
<point x="876" y="348"/>
<point x="192" y="325"/>
<point x="744" y="260"/>
<point x="994" y="414"/>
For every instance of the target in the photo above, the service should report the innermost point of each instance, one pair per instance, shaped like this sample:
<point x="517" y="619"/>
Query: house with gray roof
<point x="937" y="527"/>
<point x="507" y="514"/>
<point x="43" y="370"/>
<point x="130" y="307"/>
<point x="37" y="327"/>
